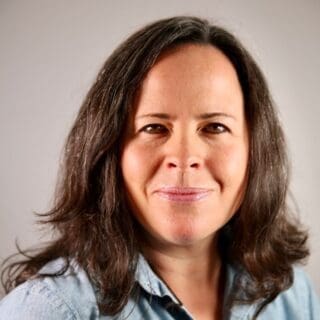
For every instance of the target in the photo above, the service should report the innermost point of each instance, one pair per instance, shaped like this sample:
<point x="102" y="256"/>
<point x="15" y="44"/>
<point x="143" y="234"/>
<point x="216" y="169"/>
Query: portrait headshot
<point x="160" y="160"/>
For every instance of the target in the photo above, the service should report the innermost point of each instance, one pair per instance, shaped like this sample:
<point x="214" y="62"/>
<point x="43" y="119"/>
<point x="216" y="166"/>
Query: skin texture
<point x="188" y="131"/>
<point x="180" y="149"/>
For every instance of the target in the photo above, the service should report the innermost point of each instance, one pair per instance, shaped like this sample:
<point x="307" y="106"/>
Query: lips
<point x="185" y="194"/>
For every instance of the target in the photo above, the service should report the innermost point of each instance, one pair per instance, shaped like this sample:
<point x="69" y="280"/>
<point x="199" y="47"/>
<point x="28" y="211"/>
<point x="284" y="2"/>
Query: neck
<point x="199" y="263"/>
<point x="193" y="273"/>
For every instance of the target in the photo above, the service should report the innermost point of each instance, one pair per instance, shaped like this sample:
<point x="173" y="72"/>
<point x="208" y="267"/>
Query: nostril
<point x="172" y="165"/>
<point x="183" y="163"/>
<point x="194" y="165"/>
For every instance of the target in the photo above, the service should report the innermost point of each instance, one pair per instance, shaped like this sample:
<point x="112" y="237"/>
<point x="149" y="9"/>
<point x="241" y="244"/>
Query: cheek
<point x="135" y="163"/>
<point x="230" y="163"/>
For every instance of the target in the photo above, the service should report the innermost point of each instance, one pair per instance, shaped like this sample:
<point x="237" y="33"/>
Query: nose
<point x="184" y="153"/>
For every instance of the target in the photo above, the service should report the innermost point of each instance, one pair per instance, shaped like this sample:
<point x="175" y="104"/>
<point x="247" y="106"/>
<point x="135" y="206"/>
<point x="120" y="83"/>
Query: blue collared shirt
<point x="72" y="297"/>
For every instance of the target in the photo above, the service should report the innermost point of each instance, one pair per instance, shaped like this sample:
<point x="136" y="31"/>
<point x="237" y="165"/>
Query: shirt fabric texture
<point x="71" y="296"/>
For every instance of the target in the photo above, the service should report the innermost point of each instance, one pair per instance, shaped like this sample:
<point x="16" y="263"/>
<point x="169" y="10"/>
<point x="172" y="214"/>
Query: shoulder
<point x="298" y="302"/>
<point x="69" y="296"/>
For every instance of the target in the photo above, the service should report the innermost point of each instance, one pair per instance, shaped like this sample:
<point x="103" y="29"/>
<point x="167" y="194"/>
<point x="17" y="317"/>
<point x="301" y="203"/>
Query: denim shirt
<point x="72" y="297"/>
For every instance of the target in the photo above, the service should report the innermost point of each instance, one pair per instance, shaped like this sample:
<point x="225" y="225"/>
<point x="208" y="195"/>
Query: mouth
<point x="186" y="194"/>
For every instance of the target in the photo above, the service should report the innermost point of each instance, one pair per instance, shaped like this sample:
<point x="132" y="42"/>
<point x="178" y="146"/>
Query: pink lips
<point x="182" y="194"/>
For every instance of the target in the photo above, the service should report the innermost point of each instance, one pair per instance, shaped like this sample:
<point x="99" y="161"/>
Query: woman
<point x="172" y="202"/>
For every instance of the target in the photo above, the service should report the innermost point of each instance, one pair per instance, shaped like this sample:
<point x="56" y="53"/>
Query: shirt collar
<point x="153" y="285"/>
<point x="238" y="311"/>
<point x="150" y="282"/>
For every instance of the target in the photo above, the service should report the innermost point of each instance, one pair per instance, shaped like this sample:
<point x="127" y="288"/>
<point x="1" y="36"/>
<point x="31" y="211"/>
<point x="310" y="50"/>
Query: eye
<point x="154" y="128"/>
<point x="215" y="128"/>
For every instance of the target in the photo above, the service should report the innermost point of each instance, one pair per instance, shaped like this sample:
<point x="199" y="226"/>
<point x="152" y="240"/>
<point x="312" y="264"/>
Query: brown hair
<point x="90" y="214"/>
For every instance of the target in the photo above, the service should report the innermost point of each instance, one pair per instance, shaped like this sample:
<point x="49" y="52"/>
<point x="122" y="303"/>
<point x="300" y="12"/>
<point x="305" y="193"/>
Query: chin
<point x="185" y="237"/>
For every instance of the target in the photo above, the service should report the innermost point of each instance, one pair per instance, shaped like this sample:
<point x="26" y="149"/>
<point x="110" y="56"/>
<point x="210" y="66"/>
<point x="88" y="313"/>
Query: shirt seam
<point x="74" y="315"/>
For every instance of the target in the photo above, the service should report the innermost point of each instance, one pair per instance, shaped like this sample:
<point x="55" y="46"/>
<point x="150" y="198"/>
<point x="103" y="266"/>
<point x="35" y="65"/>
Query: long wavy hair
<point x="93" y="222"/>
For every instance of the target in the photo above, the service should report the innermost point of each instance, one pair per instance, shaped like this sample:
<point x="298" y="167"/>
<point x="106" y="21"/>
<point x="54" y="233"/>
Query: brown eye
<point x="215" y="128"/>
<point x="154" y="128"/>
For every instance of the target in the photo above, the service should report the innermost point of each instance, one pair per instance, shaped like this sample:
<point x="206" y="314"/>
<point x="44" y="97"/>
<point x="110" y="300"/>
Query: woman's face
<point x="185" y="154"/>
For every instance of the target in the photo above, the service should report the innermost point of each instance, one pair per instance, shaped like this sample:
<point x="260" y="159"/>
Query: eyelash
<point x="218" y="128"/>
<point x="157" y="128"/>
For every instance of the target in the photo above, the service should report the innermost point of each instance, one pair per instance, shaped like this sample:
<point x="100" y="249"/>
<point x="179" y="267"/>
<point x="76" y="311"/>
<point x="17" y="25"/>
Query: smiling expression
<point x="185" y="153"/>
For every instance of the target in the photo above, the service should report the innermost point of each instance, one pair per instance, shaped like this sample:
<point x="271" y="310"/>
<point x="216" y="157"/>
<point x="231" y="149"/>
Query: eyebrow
<point x="202" y="116"/>
<point x="205" y="116"/>
<point x="155" y="115"/>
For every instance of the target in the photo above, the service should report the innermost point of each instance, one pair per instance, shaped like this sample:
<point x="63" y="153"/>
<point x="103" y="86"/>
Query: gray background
<point x="52" y="50"/>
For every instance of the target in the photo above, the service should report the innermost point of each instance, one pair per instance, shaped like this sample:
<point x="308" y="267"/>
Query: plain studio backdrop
<point x="52" y="50"/>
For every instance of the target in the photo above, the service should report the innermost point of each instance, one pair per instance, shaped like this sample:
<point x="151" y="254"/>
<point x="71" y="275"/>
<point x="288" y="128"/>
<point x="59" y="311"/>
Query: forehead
<point x="191" y="58"/>
<point x="187" y="75"/>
